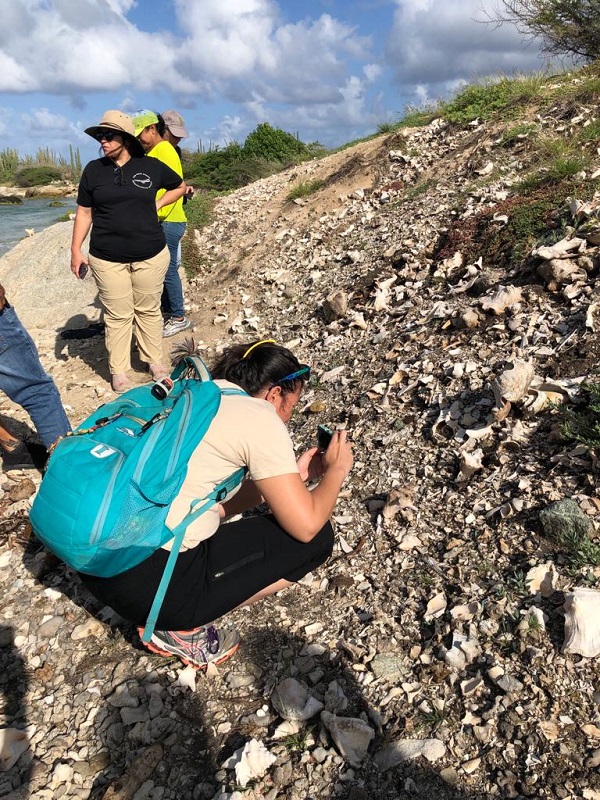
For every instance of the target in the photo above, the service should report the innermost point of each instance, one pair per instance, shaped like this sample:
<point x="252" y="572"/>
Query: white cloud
<point x="434" y="44"/>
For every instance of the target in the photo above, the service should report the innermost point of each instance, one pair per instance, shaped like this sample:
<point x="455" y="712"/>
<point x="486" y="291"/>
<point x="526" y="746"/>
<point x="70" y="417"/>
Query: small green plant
<point x="517" y="584"/>
<point x="305" y="188"/>
<point x="583" y="425"/>
<point x="299" y="742"/>
<point x="386" y="127"/>
<point x="431" y="720"/>
<point x="418" y="117"/>
<point x="513" y="135"/>
<point x="534" y="624"/>
<point x="579" y="548"/>
<point x="591" y="132"/>
<point x="418" y="189"/>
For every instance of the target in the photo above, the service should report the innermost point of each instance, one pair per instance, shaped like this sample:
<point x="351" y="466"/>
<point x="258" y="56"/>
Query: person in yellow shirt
<point x="150" y="130"/>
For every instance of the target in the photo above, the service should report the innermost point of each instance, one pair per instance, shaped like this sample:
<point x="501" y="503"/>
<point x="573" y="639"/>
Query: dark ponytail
<point x="160" y="125"/>
<point x="256" y="366"/>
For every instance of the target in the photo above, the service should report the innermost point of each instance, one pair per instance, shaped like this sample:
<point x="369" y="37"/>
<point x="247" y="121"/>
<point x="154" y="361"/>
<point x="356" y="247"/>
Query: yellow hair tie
<point x="262" y="341"/>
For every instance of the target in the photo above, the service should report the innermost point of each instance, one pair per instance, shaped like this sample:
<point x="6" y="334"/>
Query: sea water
<point x="36" y="213"/>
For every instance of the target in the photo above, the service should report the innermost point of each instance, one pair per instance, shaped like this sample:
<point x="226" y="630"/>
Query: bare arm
<point x="171" y="196"/>
<point x="300" y="512"/>
<point x="81" y="228"/>
<point x="247" y="497"/>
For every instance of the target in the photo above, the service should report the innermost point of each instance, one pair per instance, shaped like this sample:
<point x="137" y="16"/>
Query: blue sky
<point x="328" y="70"/>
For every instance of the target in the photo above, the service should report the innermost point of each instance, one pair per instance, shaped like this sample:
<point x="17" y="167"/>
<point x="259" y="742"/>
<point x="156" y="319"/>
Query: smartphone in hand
<point x="323" y="437"/>
<point x="83" y="271"/>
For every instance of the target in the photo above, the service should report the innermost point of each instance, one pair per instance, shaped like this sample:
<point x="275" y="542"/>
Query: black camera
<point x="323" y="437"/>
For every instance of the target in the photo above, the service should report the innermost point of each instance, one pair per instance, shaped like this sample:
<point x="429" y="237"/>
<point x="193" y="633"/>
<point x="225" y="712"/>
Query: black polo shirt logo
<point x="142" y="181"/>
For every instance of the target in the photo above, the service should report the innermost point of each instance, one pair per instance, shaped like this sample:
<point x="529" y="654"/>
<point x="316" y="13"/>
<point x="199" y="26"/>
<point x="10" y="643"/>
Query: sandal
<point x="120" y="383"/>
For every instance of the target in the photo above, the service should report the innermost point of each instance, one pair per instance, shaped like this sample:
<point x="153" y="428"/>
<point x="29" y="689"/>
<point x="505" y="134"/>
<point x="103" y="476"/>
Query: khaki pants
<point x="130" y="295"/>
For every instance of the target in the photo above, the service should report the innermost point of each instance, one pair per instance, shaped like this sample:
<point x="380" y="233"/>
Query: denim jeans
<point x="24" y="380"/>
<point x="172" y="297"/>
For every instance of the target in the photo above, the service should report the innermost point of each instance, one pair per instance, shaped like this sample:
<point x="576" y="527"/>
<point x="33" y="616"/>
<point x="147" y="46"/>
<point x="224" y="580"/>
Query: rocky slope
<point x="428" y="659"/>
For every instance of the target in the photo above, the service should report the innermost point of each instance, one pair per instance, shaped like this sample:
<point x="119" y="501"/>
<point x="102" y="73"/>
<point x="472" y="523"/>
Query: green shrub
<point x="230" y="168"/>
<point x="37" y="176"/>
<point x="273" y="144"/>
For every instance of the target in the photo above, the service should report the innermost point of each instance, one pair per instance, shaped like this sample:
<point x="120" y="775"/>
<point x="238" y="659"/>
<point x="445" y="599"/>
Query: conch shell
<point x="582" y="622"/>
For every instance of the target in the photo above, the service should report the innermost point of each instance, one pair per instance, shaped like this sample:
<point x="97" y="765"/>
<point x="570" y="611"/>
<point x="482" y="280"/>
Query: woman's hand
<point x="310" y="465"/>
<point x="339" y="453"/>
<point x="77" y="261"/>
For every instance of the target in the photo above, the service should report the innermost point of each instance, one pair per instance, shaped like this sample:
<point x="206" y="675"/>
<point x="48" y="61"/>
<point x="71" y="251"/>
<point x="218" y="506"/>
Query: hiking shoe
<point x="196" y="648"/>
<point x="174" y="325"/>
<point x="26" y="455"/>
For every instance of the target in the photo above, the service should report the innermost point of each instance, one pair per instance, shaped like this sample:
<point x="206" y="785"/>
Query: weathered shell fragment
<point x="253" y="763"/>
<point x="470" y="463"/>
<point x="436" y="606"/>
<point x="582" y="622"/>
<point x="502" y="299"/>
<point x="543" y="578"/>
<point x="560" y="249"/>
<point x="382" y="292"/>
<point x="335" y="305"/>
<point x="13" y="743"/>
<point x="512" y="383"/>
<point x="292" y="700"/>
<point x="352" y="736"/>
<point x="400" y="501"/>
<point x="408" y="749"/>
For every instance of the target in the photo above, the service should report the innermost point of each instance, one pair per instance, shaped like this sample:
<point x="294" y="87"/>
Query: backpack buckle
<point x="221" y="494"/>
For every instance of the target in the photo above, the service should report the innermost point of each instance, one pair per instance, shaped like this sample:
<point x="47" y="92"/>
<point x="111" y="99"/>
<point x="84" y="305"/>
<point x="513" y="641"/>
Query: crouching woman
<point x="224" y="565"/>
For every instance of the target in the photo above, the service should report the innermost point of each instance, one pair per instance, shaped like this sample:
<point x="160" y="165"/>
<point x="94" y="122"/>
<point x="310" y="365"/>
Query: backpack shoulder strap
<point x="218" y="494"/>
<point x="197" y="507"/>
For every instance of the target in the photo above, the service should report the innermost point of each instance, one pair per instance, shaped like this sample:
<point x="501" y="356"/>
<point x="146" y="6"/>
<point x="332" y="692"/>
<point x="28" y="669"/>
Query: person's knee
<point x="324" y="540"/>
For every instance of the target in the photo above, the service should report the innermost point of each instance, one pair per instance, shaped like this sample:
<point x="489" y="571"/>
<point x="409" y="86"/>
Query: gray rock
<point x="564" y="521"/>
<point x="387" y="666"/>
<point x="125" y="696"/>
<point x="50" y="628"/>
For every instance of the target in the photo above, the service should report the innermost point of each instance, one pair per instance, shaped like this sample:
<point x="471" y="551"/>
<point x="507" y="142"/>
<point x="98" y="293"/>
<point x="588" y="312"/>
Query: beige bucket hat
<point x="121" y="123"/>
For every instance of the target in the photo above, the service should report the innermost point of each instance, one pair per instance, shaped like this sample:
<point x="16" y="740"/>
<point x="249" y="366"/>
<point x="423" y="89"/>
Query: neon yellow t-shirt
<point x="165" y="152"/>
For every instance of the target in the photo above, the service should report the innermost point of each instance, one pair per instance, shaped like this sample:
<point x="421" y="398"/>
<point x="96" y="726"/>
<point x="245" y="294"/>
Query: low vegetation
<point x="45" y="167"/>
<point x="305" y="188"/>
<point x="265" y="151"/>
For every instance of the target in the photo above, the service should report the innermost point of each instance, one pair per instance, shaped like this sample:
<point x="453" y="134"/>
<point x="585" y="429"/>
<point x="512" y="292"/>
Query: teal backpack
<point x="106" y="493"/>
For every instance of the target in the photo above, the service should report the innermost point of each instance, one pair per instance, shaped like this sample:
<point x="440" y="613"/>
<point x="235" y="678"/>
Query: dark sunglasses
<point x="108" y="135"/>
<point x="118" y="179"/>
<point x="303" y="371"/>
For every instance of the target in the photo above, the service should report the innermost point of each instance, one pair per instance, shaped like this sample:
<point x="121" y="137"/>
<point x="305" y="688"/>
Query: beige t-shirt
<point x="246" y="432"/>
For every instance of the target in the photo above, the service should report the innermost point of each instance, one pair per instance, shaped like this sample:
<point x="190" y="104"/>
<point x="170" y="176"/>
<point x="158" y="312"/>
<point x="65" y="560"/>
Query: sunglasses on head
<point x="108" y="135"/>
<point x="118" y="179"/>
<point x="302" y="371"/>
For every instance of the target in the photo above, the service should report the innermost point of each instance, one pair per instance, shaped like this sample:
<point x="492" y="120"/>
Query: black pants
<point x="215" y="577"/>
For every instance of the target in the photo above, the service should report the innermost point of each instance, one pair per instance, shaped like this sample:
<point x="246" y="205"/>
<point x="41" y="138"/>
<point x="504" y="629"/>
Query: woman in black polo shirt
<point x="128" y="253"/>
